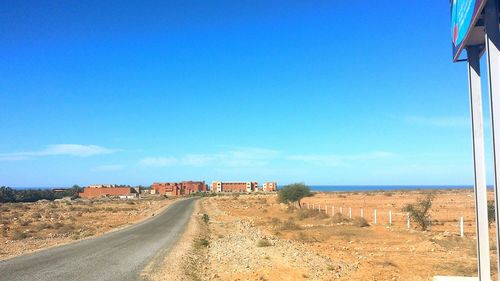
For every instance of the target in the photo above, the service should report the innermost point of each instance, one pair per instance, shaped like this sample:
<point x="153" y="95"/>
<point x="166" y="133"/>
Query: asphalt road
<point x="119" y="255"/>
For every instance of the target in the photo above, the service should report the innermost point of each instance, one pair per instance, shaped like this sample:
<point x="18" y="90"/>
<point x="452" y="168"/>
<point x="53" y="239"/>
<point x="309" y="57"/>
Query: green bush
<point x="263" y="243"/>
<point x="419" y="212"/>
<point x="293" y="193"/>
<point x="491" y="212"/>
<point x="360" y="222"/>
<point x="205" y="218"/>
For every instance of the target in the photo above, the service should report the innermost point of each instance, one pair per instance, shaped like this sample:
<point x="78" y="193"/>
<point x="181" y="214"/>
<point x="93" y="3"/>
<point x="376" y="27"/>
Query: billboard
<point x="464" y="15"/>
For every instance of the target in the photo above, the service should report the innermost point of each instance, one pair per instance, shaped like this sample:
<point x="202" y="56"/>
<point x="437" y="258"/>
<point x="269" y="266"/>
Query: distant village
<point x="173" y="189"/>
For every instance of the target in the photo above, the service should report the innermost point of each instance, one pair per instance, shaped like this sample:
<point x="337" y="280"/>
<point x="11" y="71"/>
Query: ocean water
<point x="338" y="188"/>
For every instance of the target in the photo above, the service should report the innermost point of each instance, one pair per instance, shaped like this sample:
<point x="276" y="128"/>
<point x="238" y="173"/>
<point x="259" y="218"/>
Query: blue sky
<point x="324" y="92"/>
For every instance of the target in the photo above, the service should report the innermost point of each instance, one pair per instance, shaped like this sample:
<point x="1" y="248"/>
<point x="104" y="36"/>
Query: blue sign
<point x="464" y="14"/>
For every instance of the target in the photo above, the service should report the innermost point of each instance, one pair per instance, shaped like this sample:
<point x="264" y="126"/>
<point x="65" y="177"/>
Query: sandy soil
<point x="26" y="227"/>
<point x="345" y="251"/>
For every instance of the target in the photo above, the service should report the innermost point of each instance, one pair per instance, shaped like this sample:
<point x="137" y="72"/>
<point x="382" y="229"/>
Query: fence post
<point x="350" y="213"/>
<point x="375" y="216"/>
<point x="461" y="226"/>
<point x="333" y="211"/>
<point x="308" y="206"/>
<point x="362" y="213"/>
<point x="341" y="210"/>
<point x="390" y="217"/>
<point x="408" y="220"/>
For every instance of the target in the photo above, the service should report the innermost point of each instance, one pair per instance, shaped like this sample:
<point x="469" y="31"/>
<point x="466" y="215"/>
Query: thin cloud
<point x="108" y="168"/>
<point x="77" y="150"/>
<point x="338" y="160"/>
<point x="233" y="158"/>
<point x="439" y="121"/>
<point x="257" y="157"/>
<point x="157" y="161"/>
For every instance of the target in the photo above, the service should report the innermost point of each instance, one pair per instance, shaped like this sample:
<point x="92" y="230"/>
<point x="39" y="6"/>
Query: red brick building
<point x="114" y="191"/>
<point x="193" y="186"/>
<point x="218" y="186"/>
<point x="166" y="188"/>
<point x="178" y="188"/>
<point x="270" y="186"/>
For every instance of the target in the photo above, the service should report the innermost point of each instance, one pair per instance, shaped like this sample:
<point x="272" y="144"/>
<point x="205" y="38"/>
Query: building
<point x="219" y="186"/>
<point x="97" y="191"/>
<point x="166" y="188"/>
<point x="178" y="188"/>
<point x="270" y="186"/>
<point x="193" y="186"/>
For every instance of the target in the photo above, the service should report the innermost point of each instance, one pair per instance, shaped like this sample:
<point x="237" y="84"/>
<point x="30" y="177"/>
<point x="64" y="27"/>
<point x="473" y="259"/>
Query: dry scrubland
<point x="251" y="237"/>
<point x="25" y="227"/>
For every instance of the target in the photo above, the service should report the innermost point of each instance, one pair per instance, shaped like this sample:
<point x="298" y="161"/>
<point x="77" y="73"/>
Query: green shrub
<point x="19" y="235"/>
<point x="360" y="222"/>
<point x="289" y="225"/>
<point x="419" y="212"/>
<point x="205" y="218"/>
<point x="201" y="243"/>
<point x="491" y="212"/>
<point x="263" y="243"/>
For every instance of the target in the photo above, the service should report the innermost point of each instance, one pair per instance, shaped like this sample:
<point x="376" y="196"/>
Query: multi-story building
<point x="193" y="186"/>
<point x="270" y="186"/>
<point x="219" y="186"/>
<point x="166" y="188"/>
<point x="96" y="191"/>
<point x="178" y="188"/>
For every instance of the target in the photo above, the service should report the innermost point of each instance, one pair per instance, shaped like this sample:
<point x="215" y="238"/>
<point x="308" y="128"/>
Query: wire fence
<point x="445" y="218"/>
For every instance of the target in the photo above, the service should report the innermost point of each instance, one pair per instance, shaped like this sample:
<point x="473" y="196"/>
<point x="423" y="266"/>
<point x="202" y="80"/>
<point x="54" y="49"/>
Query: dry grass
<point x="339" y="218"/>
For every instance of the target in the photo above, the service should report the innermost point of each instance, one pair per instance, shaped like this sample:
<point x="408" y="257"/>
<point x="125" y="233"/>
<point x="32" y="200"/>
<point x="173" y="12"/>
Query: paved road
<point x="119" y="255"/>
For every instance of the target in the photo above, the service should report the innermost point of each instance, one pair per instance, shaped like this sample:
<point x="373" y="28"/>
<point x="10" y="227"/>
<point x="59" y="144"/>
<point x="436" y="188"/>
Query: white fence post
<point x="340" y="210"/>
<point x="308" y="206"/>
<point x="350" y="213"/>
<point x="408" y="220"/>
<point x="461" y="226"/>
<point x="375" y="216"/>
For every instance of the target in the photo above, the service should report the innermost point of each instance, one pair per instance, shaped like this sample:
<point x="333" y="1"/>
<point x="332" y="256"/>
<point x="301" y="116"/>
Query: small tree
<point x="294" y="193"/>
<point x="419" y="212"/>
<point x="491" y="212"/>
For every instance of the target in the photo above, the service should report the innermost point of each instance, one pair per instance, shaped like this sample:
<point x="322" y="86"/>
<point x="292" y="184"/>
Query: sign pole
<point x="492" y="44"/>
<point x="480" y="192"/>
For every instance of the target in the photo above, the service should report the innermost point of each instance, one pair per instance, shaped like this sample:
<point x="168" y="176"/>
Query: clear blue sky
<point x="325" y="92"/>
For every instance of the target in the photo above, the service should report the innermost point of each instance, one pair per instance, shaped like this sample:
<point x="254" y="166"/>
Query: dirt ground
<point x="252" y="237"/>
<point x="26" y="227"/>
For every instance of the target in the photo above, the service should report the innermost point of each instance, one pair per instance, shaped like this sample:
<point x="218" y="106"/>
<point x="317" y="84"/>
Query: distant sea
<point x="339" y="188"/>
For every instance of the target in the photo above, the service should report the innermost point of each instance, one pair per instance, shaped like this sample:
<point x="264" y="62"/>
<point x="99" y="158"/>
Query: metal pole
<point x="492" y="42"/>
<point x="483" y="257"/>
